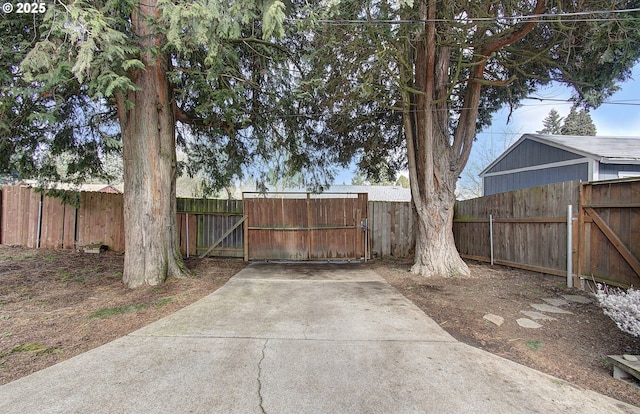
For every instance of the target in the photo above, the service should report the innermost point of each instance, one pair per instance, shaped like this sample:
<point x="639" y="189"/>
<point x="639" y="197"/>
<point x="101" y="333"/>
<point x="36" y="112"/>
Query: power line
<point x="507" y="19"/>
<point x="629" y="102"/>
<point x="319" y="116"/>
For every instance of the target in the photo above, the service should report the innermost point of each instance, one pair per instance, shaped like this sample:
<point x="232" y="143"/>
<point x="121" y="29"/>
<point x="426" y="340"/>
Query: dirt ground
<point x="57" y="304"/>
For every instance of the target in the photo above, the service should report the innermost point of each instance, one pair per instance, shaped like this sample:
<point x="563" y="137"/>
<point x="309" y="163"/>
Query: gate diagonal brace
<point x="615" y="240"/>
<point x="224" y="236"/>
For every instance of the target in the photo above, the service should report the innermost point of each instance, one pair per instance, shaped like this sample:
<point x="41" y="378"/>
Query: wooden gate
<point x="609" y="239"/>
<point x="210" y="227"/>
<point x="304" y="226"/>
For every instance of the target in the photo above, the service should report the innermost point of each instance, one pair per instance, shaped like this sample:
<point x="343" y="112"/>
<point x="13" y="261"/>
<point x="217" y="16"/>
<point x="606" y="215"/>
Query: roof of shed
<point x="374" y="192"/>
<point x="94" y="188"/>
<point x="604" y="149"/>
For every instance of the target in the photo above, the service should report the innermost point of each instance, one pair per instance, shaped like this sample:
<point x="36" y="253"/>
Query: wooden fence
<point x="529" y="227"/>
<point x="98" y="217"/>
<point x="305" y="226"/>
<point x="391" y="230"/>
<point x="210" y="227"/>
<point x="609" y="238"/>
<point x="529" y="230"/>
<point x="33" y="220"/>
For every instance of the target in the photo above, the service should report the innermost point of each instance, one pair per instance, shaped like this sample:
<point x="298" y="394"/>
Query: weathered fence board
<point x="101" y="219"/>
<point x="20" y="216"/>
<point x="208" y="220"/>
<point x="529" y="227"/>
<point x="53" y="223"/>
<point x="303" y="227"/>
<point x="187" y="236"/>
<point x="610" y="231"/>
<point x="391" y="230"/>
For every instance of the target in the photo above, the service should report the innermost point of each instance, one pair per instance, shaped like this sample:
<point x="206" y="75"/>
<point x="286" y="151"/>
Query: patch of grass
<point x="536" y="345"/>
<point x="104" y="313"/>
<point x="163" y="302"/>
<point x="49" y="257"/>
<point x="67" y="276"/>
<point x="35" y="347"/>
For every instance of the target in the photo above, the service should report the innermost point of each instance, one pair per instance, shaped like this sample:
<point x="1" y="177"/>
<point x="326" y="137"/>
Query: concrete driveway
<point x="297" y="338"/>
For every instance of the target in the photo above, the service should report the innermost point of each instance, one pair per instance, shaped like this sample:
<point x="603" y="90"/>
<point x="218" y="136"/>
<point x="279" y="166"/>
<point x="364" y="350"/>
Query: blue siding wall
<point x="526" y="179"/>
<point x="610" y="171"/>
<point x="529" y="153"/>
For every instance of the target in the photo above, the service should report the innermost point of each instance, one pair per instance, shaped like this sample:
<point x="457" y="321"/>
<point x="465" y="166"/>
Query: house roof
<point x="607" y="150"/>
<point x="375" y="192"/>
<point x="97" y="188"/>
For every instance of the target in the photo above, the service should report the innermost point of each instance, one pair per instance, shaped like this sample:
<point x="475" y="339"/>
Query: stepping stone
<point x="528" y="323"/>
<point x="495" y="319"/>
<point x="556" y="301"/>
<point x="538" y="316"/>
<point x="577" y="298"/>
<point x="543" y="307"/>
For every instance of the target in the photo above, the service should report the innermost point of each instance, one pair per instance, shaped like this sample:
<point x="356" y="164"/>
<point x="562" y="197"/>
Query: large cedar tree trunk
<point x="436" y="154"/>
<point x="147" y="124"/>
<point x="436" y="252"/>
<point x="432" y="158"/>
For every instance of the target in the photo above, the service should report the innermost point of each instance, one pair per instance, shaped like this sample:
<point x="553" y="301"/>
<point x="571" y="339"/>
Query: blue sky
<point x="612" y="118"/>
<point x="616" y="118"/>
<point x="619" y="117"/>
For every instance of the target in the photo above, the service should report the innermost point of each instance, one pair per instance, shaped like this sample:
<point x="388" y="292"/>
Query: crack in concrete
<point x="260" y="397"/>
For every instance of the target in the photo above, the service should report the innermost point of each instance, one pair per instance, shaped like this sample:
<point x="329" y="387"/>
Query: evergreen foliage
<point x="389" y="84"/>
<point x="43" y="120"/>
<point x="408" y="84"/>
<point x="552" y="123"/>
<point x="578" y="123"/>
<point x="231" y="68"/>
<point x="365" y="67"/>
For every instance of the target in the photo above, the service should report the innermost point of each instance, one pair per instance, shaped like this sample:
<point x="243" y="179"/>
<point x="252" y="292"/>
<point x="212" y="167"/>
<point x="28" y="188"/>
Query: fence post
<point x="569" y="246"/>
<point x="187" y="220"/>
<point x="491" y="236"/>
<point x="39" y="229"/>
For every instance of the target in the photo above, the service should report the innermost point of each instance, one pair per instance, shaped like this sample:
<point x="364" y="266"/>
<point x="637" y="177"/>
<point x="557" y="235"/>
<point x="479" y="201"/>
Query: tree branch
<point x="503" y="40"/>
<point x="228" y="127"/>
<point x="465" y="132"/>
